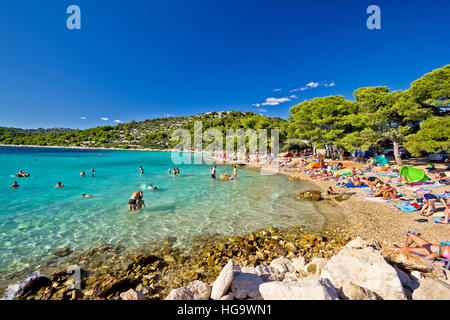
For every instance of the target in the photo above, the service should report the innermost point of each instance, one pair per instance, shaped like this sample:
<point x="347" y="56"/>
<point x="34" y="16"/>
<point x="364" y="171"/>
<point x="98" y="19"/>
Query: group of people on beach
<point x="372" y="177"/>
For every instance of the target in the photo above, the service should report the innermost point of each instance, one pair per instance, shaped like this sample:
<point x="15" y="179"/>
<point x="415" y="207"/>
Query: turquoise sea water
<point x="36" y="218"/>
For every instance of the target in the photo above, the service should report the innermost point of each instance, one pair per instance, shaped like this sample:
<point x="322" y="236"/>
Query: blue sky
<point x="136" y="60"/>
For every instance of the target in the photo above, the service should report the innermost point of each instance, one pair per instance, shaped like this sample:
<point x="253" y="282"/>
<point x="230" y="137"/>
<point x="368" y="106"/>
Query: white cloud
<point x="312" y="84"/>
<point x="298" y="89"/>
<point x="293" y="96"/>
<point x="83" y="118"/>
<point x="331" y="84"/>
<point x="118" y="121"/>
<point x="104" y="119"/>
<point x="274" y="101"/>
<point x="277" y="90"/>
<point x="257" y="104"/>
<point x="262" y="110"/>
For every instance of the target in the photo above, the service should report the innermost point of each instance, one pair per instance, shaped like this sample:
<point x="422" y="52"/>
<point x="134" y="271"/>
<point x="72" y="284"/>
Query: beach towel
<point x="438" y="220"/>
<point x="406" y="207"/>
<point x="438" y="185"/>
<point x="378" y="199"/>
<point x="351" y="185"/>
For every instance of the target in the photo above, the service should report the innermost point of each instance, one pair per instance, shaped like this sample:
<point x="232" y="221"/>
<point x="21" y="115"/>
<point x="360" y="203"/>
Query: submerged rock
<point x="309" y="195"/>
<point x="62" y="252"/>
<point x="109" y="285"/>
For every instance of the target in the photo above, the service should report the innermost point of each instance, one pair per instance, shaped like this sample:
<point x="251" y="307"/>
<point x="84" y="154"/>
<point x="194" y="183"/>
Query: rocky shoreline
<point x="164" y="267"/>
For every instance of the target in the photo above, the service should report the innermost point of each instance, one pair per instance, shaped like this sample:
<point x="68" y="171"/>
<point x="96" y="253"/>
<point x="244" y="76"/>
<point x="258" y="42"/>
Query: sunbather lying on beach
<point x="425" y="248"/>
<point x="430" y="200"/>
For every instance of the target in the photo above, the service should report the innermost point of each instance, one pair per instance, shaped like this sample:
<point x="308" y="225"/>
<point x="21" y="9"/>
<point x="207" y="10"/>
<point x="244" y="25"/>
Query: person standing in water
<point x="213" y="173"/>
<point x="140" y="204"/>
<point x="235" y="172"/>
<point x="133" y="200"/>
<point x="141" y="169"/>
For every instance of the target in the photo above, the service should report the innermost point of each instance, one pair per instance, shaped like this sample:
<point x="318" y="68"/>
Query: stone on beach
<point x="246" y="285"/>
<point x="223" y="281"/>
<point x="282" y="265"/>
<point x="351" y="291"/>
<point x="200" y="290"/>
<point x="366" y="268"/>
<point x="432" y="289"/>
<point x="132" y="295"/>
<point x="310" y="288"/>
<point x="298" y="263"/>
<point x="407" y="260"/>
<point x="183" y="293"/>
<point x="316" y="266"/>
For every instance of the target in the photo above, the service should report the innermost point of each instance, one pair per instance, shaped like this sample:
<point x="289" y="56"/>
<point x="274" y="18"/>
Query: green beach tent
<point x="413" y="174"/>
<point x="380" y="160"/>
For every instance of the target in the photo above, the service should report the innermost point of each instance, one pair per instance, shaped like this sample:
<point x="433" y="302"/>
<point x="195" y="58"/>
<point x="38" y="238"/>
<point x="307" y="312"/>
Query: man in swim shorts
<point x="133" y="200"/>
<point x="213" y="173"/>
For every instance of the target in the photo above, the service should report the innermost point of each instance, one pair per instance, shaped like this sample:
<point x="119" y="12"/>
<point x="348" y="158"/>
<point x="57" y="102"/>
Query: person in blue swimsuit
<point x="430" y="200"/>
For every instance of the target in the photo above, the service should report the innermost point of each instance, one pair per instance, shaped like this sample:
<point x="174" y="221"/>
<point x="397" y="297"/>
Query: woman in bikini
<point x="430" y="202"/>
<point x="425" y="248"/>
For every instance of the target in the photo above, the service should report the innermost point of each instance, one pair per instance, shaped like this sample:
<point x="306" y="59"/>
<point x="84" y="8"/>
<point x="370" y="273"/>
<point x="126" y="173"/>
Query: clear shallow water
<point x="36" y="218"/>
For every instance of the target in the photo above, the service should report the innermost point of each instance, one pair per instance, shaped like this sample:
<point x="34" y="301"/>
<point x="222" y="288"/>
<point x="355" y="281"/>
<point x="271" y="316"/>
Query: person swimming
<point x="82" y="174"/>
<point x="15" y="185"/>
<point x="20" y="174"/>
<point x="59" y="185"/>
<point x="152" y="187"/>
<point x="141" y="169"/>
<point x="85" y="195"/>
